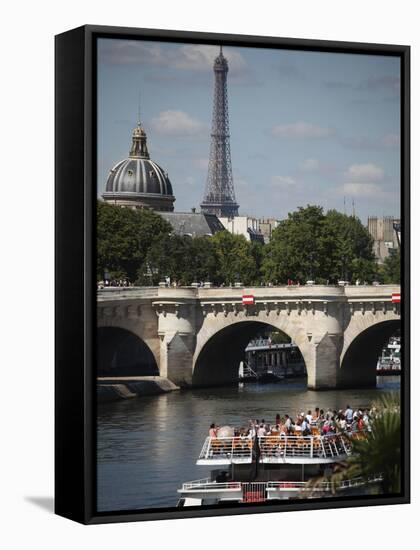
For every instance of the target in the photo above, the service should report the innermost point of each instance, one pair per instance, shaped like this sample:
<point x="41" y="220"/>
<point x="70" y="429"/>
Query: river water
<point x="147" y="447"/>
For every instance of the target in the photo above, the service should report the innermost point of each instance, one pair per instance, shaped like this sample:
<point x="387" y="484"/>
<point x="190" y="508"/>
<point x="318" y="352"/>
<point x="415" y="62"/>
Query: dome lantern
<point x="139" y="143"/>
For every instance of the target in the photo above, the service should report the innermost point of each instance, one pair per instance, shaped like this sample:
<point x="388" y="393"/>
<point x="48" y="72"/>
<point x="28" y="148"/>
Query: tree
<point x="347" y="249"/>
<point x="124" y="237"/>
<point x="325" y="247"/>
<point x="390" y="271"/>
<point x="234" y="258"/>
<point x="293" y="252"/>
<point x="203" y="261"/>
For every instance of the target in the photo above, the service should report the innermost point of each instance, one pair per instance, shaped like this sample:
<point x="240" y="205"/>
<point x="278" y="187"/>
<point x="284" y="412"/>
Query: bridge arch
<point x="121" y="352"/>
<point x="219" y="352"/>
<point x="361" y="350"/>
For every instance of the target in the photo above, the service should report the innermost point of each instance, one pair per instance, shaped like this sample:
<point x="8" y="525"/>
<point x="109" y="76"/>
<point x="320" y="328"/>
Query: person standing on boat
<point x="306" y="430"/>
<point x="213" y="431"/>
<point x="349" y="415"/>
<point x="261" y="431"/>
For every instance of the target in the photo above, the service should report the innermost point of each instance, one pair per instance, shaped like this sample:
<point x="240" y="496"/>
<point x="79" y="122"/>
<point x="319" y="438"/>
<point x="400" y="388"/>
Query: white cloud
<point x="357" y="189"/>
<point x="201" y="58"/>
<point x="368" y="172"/>
<point x="177" y="123"/>
<point x="283" y="181"/>
<point x="310" y="165"/>
<point x="302" y="130"/>
<point x="196" y="57"/>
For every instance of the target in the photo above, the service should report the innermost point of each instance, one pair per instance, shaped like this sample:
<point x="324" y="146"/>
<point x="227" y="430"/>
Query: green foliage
<point x="390" y="271"/>
<point x="325" y="247"/>
<point x="294" y="250"/>
<point x="236" y="259"/>
<point x="279" y="338"/>
<point x="139" y="245"/>
<point x="380" y="452"/>
<point x="124" y="238"/>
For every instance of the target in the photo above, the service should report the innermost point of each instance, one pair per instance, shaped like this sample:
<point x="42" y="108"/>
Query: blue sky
<point x="306" y="127"/>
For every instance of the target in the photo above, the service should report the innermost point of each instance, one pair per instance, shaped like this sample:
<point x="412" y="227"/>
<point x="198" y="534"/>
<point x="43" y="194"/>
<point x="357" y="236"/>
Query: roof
<point x="196" y="224"/>
<point x="138" y="175"/>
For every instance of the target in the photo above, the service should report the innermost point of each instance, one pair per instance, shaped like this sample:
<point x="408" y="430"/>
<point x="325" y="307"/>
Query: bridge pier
<point x="176" y="358"/>
<point x="323" y="363"/>
<point x="177" y="333"/>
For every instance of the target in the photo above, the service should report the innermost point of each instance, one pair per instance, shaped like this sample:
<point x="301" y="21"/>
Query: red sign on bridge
<point x="248" y="300"/>
<point x="396" y="298"/>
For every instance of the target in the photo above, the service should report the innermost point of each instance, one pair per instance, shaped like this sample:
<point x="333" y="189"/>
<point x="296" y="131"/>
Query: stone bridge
<point x="197" y="336"/>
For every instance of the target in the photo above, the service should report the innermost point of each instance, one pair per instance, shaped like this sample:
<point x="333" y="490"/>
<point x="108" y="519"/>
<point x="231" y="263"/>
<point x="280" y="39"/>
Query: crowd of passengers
<point x="317" y="422"/>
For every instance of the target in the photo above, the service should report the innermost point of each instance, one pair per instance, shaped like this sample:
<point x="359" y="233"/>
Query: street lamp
<point x="344" y="268"/>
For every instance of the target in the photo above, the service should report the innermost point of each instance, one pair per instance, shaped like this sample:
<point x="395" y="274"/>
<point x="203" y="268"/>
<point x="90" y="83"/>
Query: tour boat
<point x="270" y="468"/>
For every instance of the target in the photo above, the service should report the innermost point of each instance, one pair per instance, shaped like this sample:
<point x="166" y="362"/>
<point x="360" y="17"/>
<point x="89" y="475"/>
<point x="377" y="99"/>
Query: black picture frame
<point x="75" y="289"/>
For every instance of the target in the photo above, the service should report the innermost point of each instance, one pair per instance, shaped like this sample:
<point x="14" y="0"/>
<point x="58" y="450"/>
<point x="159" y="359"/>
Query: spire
<point x="139" y="143"/>
<point x="139" y="110"/>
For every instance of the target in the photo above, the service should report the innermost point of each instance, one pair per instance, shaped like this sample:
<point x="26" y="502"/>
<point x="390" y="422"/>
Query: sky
<point x="306" y="127"/>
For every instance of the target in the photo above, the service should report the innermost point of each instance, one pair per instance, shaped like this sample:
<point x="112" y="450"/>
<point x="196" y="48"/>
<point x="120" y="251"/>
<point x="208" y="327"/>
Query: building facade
<point x="244" y="225"/>
<point x="385" y="234"/>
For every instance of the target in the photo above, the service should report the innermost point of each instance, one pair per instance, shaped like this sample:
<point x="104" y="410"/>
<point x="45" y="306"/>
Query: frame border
<point x="75" y="289"/>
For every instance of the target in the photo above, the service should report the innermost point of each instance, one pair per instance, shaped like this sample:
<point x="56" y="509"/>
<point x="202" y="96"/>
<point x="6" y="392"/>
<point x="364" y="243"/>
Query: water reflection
<point x="148" y="446"/>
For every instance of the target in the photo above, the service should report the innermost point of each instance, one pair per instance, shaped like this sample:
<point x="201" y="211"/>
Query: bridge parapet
<point x="304" y="291"/>
<point x="371" y="292"/>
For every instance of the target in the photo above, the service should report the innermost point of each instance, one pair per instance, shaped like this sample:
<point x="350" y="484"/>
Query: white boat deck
<point x="203" y="489"/>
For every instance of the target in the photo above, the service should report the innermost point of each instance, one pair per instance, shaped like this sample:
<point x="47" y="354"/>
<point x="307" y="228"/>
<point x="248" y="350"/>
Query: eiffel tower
<point x="219" y="196"/>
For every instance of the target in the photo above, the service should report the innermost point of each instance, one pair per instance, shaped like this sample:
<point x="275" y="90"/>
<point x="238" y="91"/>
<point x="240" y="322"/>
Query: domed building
<point x="137" y="181"/>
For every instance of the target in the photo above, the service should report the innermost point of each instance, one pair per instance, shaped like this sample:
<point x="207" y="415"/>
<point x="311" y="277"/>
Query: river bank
<point x="128" y="387"/>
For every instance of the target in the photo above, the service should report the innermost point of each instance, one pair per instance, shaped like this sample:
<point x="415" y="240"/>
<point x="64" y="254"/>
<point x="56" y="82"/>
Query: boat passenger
<point x="288" y="424"/>
<point x="305" y="427"/>
<point x="326" y="427"/>
<point x="349" y="414"/>
<point x="213" y="431"/>
<point x="261" y="430"/>
<point x="342" y="423"/>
